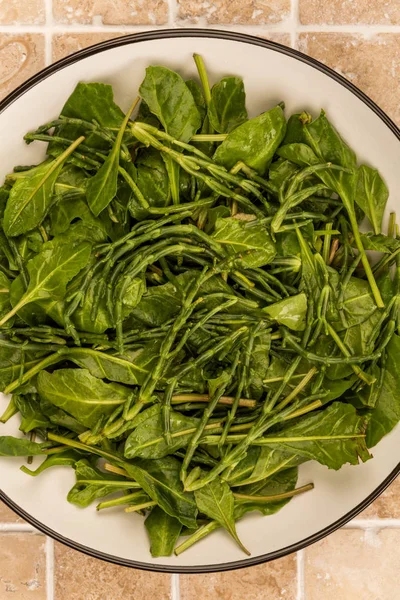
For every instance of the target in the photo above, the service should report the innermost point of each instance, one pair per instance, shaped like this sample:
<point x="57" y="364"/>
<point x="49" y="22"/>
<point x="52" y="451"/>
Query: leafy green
<point x="169" y="98"/>
<point x="160" y="479"/>
<point x="91" y="483"/>
<point x="10" y="446"/>
<point x="386" y="413"/>
<point x="163" y="531"/>
<point x="217" y="502"/>
<point x="252" y="245"/>
<point x="253" y="142"/>
<point x="227" y="108"/>
<point x="80" y="394"/>
<point x="371" y="195"/>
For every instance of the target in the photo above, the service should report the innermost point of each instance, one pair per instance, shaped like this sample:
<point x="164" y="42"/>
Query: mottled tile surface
<point x="387" y="506"/>
<point x="372" y="64"/>
<point x="117" y="12"/>
<point x="8" y="516"/>
<point x="67" y="43"/>
<point x="20" y="57"/>
<point x="356" y="12"/>
<point x="354" y="565"/>
<point x="79" y="577"/>
<point x="272" y="581"/>
<point x="26" y="12"/>
<point x="238" y="12"/>
<point x="22" y="566"/>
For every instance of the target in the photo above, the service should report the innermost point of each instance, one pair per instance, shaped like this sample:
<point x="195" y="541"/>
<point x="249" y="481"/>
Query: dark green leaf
<point x="83" y="493"/>
<point x="386" y="413"/>
<point x="371" y="195"/>
<point x="169" y="98"/>
<point x="252" y="245"/>
<point x="216" y="500"/>
<point x="160" y="479"/>
<point x="163" y="531"/>
<point x="290" y="311"/>
<point x="227" y="108"/>
<point x="80" y="394"/>
<point x="11" y="446"/>
<point x="254" y="142"/>
<point x="147" y="440"/>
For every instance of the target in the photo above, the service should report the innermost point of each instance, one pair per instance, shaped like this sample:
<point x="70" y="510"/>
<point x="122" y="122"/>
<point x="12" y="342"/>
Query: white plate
<point x="271" y="73"/>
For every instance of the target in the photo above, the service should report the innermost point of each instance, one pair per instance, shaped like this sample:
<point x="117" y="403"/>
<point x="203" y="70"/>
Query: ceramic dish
<point x="271" y="73"/>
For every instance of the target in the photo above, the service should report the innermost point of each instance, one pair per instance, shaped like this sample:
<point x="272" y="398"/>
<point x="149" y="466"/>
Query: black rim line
<point x="248" y="39"/>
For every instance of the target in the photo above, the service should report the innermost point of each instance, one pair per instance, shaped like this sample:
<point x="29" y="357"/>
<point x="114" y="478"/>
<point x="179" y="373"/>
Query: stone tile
<point x="354" y="565"/>
<point x="344" y="12"/>
<point x="20" y="57"/>
<point x="23" y="566"/>
<point x="67" y="43"/>
<point x="387" y="506"/>
<point x="373" y="64"/>
<point x="115" y="12"/>
<point x="276" y="36"/>
<point x="28" y="12"/>
<point x="79" y="577"/>
<point x="241" y="12"/>
<point x="7" y="515"/>
<point x="272" y="581"/>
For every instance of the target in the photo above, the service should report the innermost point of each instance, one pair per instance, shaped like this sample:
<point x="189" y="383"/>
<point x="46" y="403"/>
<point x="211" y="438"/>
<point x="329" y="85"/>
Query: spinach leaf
<point x="161" y="481"/>
<point x="254" y="142"/>
<point x="163" y="531"/>
<point x="11" y="446"/>
<point x="102" y="187"/>
<point x="252" y="245"/>
<point x="371" y="195"/>
<point x="49" y="272"/>
<point x="59" y="418"/>
<point x="380" y="243"/>
<point x="289" y="311"/>
<point x="30" y="197"/>
<point x="152" y="180"/>
<point x="15" y="358"/>
<point x="338" y="424"/>
<point x="94" y="102"/>
<point x="147" y="440"/>
<point x="132" y="368"/>
<point x="386" y="413"/>
<point x="91" y="483"/>
<point x="216" y="501"/>
<point x="81" y="395"/>
<point x="227" y="107"/>
<point x="32" y="416"/>
<point x="169" y="98"/>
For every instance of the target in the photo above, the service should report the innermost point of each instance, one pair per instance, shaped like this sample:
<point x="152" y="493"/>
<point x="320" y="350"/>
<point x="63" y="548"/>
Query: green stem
<point x="275" y="497"/>
<point x="203" y="77"/>
<point x="197" y="536"/>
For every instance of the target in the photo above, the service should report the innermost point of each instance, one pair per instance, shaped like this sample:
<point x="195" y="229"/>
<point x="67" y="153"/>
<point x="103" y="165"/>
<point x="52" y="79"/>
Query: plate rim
<point x="293" y="53"/>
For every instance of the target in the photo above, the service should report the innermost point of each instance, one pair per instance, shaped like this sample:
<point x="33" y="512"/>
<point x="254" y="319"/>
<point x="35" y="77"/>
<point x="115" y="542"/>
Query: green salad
<point x="189" y="309"/>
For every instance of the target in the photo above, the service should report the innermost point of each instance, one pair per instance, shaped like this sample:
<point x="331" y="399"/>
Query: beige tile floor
<point x="361" y="40"/>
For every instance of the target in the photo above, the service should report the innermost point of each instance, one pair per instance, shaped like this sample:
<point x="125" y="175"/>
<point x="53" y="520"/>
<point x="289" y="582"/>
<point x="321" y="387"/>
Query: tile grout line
<point x="49" y="568"/>
<point x="175" y="587"/>
<point x="18" y="528"/>
<point x="285" y="26"/>
<point x="301" y="593"/>
<point x="172" y="13"/>
<point x="294" y="22"/>
<point x="373" y="524"/>
<point x="48" y="31"/>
